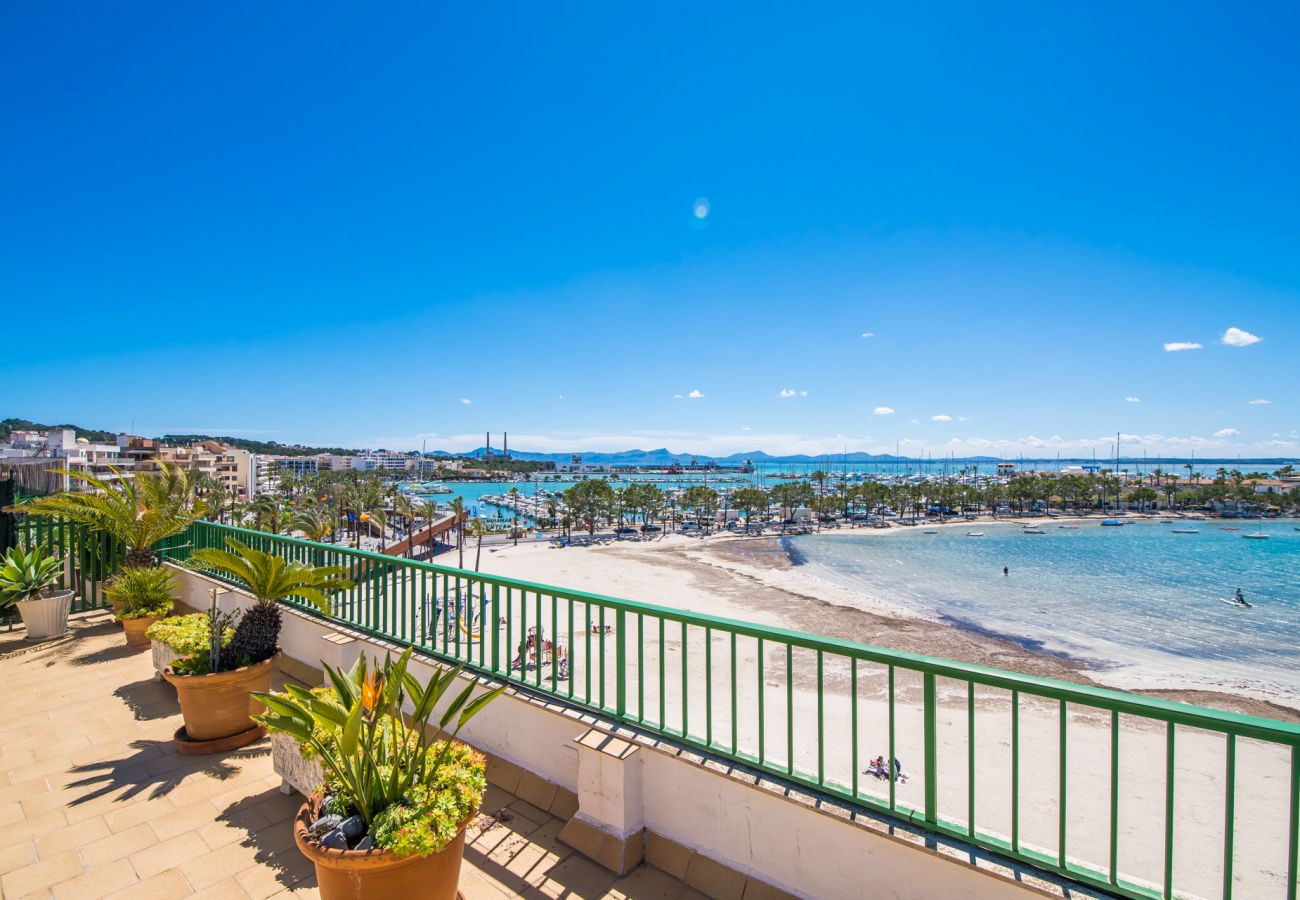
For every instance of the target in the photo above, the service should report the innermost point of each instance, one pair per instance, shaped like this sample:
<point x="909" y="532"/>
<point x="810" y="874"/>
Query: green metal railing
<point x="804" y="708"/>
<point x="89" y="557"/>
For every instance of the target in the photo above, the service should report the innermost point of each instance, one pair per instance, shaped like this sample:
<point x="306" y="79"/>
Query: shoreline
<point x="753" y="578"/>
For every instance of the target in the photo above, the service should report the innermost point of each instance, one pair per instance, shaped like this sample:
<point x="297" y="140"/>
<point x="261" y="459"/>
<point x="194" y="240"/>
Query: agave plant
<point x="269" y="578"/>
<point x="393" y="771"/>
<point x="28" y="575"/>
<point x="138" y="511"/>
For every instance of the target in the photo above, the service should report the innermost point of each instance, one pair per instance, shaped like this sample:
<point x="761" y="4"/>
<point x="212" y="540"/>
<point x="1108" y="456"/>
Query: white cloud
<point x="1132" y="399"/>
<point x="883" y="410"/>
<point x="916" y="421"/>
<point x="695" y="395"/>
<point x="1260" y="402"/>
<point x="941" y="418"/>
<point x="867" y="334"/>
<point x="962" y="419"/>
<point x="466" y="401"/>
<point x="1175" y="346"/>
<point x="1226" y="433"/>
<point x="746" y="428"/>
<point x="1235" y="337"/>
<point x="791" y="392"/>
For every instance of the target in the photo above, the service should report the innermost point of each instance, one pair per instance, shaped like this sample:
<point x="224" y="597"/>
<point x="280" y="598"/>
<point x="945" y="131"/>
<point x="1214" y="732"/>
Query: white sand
<point x="652" y="572"/>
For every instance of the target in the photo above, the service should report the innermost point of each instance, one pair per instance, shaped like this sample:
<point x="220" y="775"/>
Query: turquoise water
<point x="1138" y="602"/>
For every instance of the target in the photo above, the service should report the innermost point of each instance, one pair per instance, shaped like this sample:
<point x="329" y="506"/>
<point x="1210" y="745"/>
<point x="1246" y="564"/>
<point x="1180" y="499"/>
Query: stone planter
<point x="135" y="630"/>
<point x="297" y="774"/>
<point x="163" y="657"/>
<point x="217" y="707"/>
<point x="46" y="617"/>
<point x="379" y="874"/>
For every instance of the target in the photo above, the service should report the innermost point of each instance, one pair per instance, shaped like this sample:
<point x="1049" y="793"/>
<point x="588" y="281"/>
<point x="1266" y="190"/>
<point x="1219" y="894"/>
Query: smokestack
<point x="487" y="444"/>
<point x="505" y="443"/>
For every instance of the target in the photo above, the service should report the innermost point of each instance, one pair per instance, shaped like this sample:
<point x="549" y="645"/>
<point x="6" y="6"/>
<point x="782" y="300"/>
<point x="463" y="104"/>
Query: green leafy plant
<point x="28" y="575"/>
<point x="189" y="637"/>
<point x="412" y="786"/>
<point x="140" y="592"/>
<point x="139" y="511"/>
<point x="269" y="578"/>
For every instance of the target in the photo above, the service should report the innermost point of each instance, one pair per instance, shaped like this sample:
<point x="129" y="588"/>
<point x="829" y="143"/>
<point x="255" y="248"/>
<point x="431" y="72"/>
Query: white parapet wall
<point x="785" y="839"/>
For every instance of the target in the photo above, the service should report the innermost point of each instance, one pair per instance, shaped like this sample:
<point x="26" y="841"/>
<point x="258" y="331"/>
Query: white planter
<point x="46" y="617"/>
<point x="162" y="658"/>
<point x="296" y="773"/>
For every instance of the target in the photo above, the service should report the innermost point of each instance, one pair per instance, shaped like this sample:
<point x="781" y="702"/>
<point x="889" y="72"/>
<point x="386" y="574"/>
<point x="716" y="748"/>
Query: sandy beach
<point x="752" y="579"/>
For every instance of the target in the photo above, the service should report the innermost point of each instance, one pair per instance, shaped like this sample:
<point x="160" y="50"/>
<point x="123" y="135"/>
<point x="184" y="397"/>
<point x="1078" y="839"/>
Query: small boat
<point x="1242" y="605"/>
<point x="931" y="531"/>
<point x="1114" y="523"/>
<point x="1185" y="531"/>
<point x="1256" y="536"/>
<point x="974" y="534"/>
<point x="1074" y="527"/>
<point x="1166" y="521"/>
<point x="1224" y="528"/>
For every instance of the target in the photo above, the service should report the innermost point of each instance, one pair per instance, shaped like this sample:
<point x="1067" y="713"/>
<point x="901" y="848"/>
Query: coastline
<point x="754" y="578"/>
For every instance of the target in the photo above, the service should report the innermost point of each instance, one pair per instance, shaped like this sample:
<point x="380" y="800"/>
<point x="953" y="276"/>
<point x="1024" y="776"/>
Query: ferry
<point x="1115" y="523"/>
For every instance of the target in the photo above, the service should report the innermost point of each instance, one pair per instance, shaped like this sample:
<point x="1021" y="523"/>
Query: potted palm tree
<point x="389" y="819"/>
<point x="140" y="597"/>
<point x="139" y="511"/>
<point x="29" y="580"/>
<point x="216" y="703"/>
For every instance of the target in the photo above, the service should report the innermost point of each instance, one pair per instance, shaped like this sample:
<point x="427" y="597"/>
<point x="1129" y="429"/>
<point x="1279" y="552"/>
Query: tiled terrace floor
<point x="95" y="802"/>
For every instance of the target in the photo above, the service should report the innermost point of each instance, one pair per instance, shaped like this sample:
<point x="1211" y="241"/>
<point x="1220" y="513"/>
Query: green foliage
<point x="142" y="591"/>
<point x="405" y="779"/>
<point x="430" y="815"/>
<point x="270" y="578"/>
<point x="28" y="575"/>
<point x="189" y="638"/>
<point x="590" y="502"/>
<point x="138" y="511"/>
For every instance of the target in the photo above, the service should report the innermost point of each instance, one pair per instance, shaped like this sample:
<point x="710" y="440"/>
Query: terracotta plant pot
<point x="46" y="617"/>
<point x="379" y="874"/>
<point x="219" y="705"/>
<point x="135" y="629"/>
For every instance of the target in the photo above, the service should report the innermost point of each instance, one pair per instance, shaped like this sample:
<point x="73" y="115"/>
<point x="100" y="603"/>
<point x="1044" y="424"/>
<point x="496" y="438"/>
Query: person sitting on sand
<point x="876" y="768"/>
<point x="898" y="772"/>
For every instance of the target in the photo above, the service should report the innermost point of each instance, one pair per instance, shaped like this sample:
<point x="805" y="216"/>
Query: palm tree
<point x="406" y="508"/>
<point x="458" y="514"/>
<point x="477" y="529"/>
<point x="311" y="523"/>
<point x="429" y="512"/>
<point x="138" y="511"/>
<point x="270" y="579"/>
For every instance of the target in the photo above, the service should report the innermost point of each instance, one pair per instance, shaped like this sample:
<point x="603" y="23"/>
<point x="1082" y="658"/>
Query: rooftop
<point x="96" y="802"/>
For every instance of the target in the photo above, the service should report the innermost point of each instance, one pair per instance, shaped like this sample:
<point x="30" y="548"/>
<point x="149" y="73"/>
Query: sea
<point x="1139" y="604"/>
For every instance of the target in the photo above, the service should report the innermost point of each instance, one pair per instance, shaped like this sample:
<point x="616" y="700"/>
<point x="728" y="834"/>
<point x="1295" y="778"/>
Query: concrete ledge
<point x="619" y="855"/>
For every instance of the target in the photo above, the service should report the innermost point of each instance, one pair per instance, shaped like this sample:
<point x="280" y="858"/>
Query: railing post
<point x="496" y="628"/>
<point x="620" y="663"/>
<point x="931" y="712"/>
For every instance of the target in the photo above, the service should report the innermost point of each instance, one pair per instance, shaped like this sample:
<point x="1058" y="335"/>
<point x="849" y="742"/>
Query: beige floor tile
<point x="42" y="874"/>
<point x="18" y="855"/>
<point x="96" y="883"/>
<point x="168" y="885"/>
<point x="167" y="854"/>
<point x="69" y="837"/>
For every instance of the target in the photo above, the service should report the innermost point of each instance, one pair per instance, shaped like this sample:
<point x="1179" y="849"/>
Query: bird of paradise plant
<point x="380" y="765"/>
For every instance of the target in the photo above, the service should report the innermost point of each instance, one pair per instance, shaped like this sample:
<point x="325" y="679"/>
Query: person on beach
<point x="898" y="772"/>
<point x="1006" y="570"/>
<point x="876" y="768"/>
<point x="1238" y="598"/>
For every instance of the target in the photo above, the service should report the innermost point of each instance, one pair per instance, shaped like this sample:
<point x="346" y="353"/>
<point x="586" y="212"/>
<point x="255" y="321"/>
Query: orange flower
<point x="371" y="690"/>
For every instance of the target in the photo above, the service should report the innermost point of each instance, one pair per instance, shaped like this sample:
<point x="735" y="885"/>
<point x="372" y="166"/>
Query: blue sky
<point x="314" y="223"/>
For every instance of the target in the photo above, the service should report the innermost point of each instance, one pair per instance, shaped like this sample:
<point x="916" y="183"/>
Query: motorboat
<point x="1186" y="531"/>
<point x="1256" y="536"/>
<point x="1114" y="523"/>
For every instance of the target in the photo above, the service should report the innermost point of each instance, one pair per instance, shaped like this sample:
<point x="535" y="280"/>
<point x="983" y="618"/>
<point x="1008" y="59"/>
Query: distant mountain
<point x="665" y="457"/>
